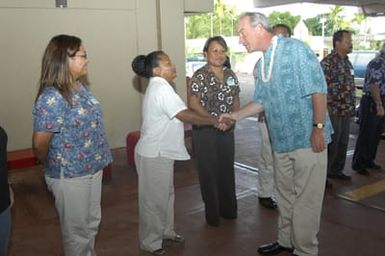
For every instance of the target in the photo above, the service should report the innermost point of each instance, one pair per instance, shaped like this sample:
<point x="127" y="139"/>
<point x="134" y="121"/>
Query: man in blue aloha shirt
<point x="291" y="88"/>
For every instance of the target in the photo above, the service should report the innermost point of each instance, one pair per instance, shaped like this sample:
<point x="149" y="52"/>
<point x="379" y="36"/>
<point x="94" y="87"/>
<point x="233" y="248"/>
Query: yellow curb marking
<point x="365" y="191"/>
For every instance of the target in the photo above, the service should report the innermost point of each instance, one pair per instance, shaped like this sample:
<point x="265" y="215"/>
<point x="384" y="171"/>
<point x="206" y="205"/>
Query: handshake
<point x="225" y="122"/>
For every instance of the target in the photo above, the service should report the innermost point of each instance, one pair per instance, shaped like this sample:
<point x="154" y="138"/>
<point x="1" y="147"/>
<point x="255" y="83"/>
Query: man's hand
<point x="317" y="140"/>
<point x="225" y="122"/>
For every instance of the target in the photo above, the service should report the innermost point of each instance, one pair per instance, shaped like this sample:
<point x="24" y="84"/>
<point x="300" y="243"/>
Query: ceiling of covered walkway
<point x="369" y="7"/>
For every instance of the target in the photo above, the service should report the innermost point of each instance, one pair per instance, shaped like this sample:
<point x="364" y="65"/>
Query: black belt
<point x="210" y="127"/>
<point x="202" y="127"/>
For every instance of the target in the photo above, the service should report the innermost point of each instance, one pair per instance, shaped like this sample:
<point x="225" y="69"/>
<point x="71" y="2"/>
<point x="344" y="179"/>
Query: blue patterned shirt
<point x="287" y="96"/>
<point x="375" y="74"/>
<point x="79" y="144"/>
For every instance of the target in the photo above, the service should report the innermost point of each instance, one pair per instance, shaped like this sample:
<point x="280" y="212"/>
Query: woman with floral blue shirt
<point x="70" y="140"/>
<point x="214" y="90"/>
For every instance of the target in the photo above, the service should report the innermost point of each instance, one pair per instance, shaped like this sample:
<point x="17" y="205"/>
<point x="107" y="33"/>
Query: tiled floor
<point x="348" y="227"/>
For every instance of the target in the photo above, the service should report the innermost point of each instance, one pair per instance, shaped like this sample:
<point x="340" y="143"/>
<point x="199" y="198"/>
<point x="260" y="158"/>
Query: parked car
<point x="360" y="60"/>
<point x="193" y="64"/>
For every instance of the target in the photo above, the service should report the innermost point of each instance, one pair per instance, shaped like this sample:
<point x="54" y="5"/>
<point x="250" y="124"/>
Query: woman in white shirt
<point x="160" y="144"/>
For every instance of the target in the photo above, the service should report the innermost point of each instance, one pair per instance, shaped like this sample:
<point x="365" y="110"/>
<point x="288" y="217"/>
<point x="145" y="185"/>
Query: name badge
<point x="94" y="101"/>
<point x="352" y="72"/>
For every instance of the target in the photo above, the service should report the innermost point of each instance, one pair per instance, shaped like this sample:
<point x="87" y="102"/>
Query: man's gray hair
<point x="258" y="18"/>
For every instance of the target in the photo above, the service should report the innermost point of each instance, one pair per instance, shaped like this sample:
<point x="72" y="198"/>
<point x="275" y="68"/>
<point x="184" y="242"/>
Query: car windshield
<point x="360" y="60"/>
<point x="193" y="64"/>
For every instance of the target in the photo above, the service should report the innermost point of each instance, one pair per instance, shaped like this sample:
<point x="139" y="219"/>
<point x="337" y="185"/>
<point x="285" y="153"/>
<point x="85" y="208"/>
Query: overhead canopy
<point x="369" y="7"/>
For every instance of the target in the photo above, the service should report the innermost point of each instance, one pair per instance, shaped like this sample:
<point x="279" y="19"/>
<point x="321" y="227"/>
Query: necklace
<point x="264" y="77"/>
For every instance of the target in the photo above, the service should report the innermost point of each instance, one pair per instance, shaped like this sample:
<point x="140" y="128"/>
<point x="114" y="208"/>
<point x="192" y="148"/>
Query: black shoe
<point x="229" y="214"/>
<point x="363" y="172"/>
<point x="374" y="166"/>
<point x="267" y="202"/>
<point x="273" y="248"/>
<point x="213" y="223"/>
<point x="339" y="176"/>
<point x="328" y="184"/>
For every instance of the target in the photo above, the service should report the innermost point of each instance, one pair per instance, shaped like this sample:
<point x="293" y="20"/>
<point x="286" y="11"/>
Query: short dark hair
<point x="220" y="40"/>
<point x="143" y="65"/>
<point x="338" y="35"/>
<point x="281" y="25"/>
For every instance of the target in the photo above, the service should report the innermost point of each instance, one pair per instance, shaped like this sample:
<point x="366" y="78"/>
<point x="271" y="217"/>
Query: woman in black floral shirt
<point x="213" y="90"/>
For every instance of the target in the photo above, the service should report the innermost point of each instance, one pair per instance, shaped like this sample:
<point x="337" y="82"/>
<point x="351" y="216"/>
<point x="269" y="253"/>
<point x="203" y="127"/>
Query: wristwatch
<point x="319" y="125"/>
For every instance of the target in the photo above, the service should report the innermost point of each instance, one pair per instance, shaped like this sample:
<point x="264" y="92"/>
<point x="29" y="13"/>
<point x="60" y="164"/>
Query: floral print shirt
<point x="79" y="144"/>
<point x="339" y="75"/>
<point x="287" y="96"/>
<point x="215" y="96"/>
<point x="375" y="74"/>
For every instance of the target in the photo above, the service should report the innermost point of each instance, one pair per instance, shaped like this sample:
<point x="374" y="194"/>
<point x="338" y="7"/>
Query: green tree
<point x="284" y="17"/>
<point x="335" y="20"/>
<point x="358" y="19"/>
<point x="198" y="26"/>
<point x="314" y="25"/>
<point x="220" y="22"/>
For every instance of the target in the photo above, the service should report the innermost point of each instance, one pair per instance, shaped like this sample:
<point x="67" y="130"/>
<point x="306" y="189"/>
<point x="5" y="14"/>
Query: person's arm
<point x="328" y="70"/>
<point x="195" y="105"/>
<point x="40" y="144"/>
<point x="236" y="104"/>
<point x="375" y="91"/>
<point x="226" y="122"/>
<point x="317" y="139"/>
<point x="249" y="109"/>
<point x="11" y="195"/>
<point x="189" y="116"/>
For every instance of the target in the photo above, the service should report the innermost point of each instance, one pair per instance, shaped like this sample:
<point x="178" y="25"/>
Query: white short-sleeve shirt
<point x="162" y="134"/>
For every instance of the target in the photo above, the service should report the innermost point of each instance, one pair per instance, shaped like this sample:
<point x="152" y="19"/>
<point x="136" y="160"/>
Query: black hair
<point x="227" y="63"/>
<point x="143" y="65"/>
<point x="281" y="25"/>
<point x="338" y="35"/>
<point x="217" y="39"/>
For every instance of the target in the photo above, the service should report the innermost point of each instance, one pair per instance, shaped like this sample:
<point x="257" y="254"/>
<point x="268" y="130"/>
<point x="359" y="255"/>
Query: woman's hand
<point x="225" y="122"/>
<point x="11" y="195"/>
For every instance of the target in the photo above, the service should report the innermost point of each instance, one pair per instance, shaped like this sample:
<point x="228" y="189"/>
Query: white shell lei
<point x="264" y="77"/>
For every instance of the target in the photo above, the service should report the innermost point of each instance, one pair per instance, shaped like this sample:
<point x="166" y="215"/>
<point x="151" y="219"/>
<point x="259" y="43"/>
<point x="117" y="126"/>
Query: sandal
<point x="159" y="252"/>
<point x="176" y="239"/>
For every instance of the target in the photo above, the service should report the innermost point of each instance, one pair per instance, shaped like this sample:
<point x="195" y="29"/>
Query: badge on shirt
<point x="352" y="72"/>
<point x="94" y="101"/>
<point x="230" y="81"/>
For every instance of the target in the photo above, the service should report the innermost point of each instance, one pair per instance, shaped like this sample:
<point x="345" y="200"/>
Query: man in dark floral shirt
<point x="339" y="75"/>
<point x="371" y="116"/>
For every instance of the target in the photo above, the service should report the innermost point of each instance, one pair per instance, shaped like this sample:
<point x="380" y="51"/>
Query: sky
<point x="307" y="10"/>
